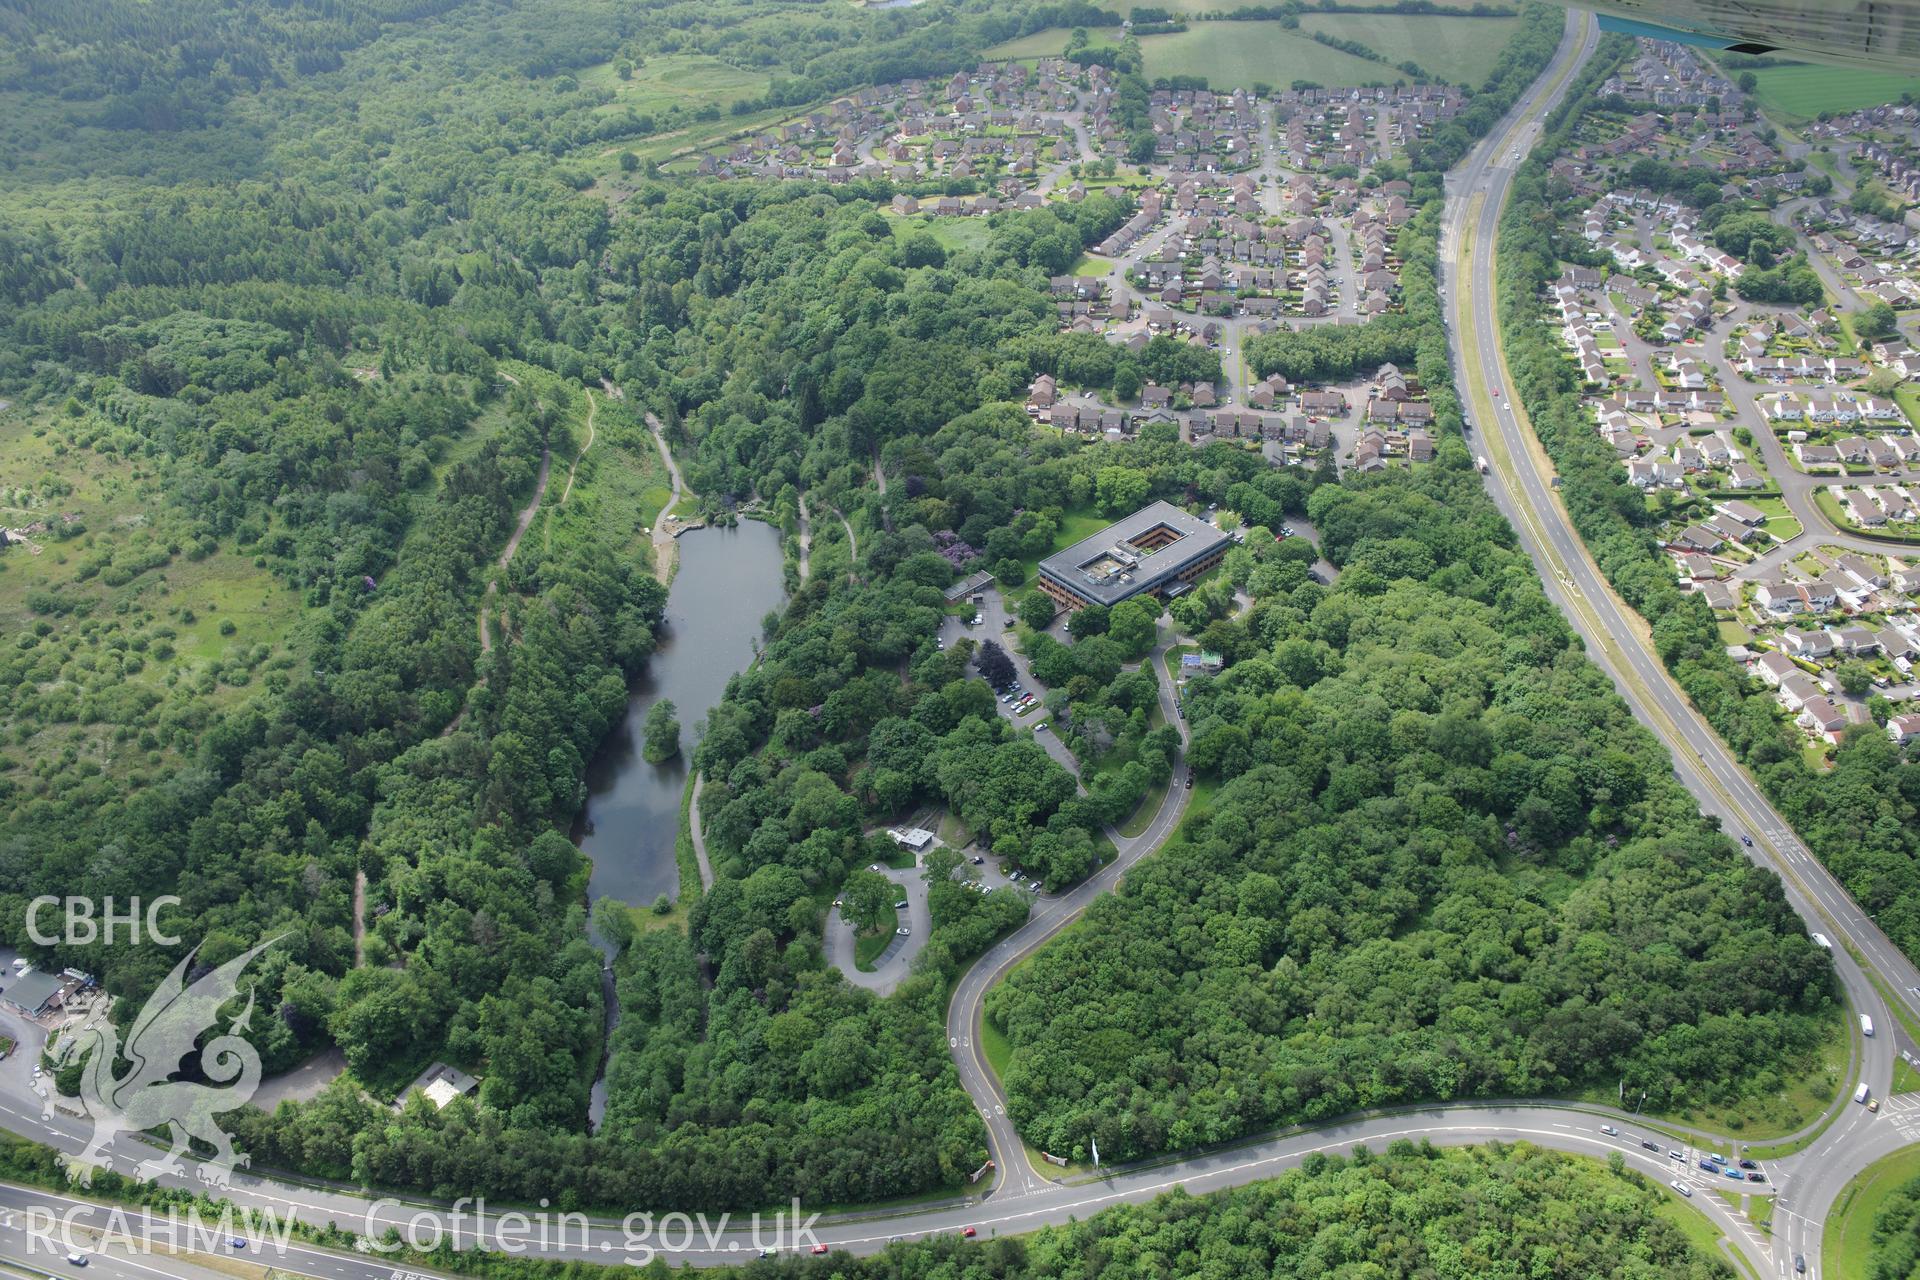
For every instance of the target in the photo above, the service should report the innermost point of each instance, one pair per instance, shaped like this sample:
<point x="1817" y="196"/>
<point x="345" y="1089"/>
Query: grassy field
<point x="1803" y="92"/>
<point x="1234" y="55"/>
<point x="675" y="79"/>
<point x="1849" y="1236"/>
<point x="1461" y="49"/>
<point x="206" y="627"/>
<point x="952" y="233"/>
<point x="1239" y="54"/>
<point x="1048" y="43"/>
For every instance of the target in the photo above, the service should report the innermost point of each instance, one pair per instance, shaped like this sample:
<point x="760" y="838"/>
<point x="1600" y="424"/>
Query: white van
<point x="1820" y="940"/>
<point x="1866" y="1026"/>
<point x="1860" y="1094"/>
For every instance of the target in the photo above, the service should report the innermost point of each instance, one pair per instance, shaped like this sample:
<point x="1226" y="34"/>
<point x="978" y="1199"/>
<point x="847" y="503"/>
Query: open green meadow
<point x="952" y="233"/>
<point x="1240" y="54"/>
<point x="125" y="613"/>
<point x="1048" y="43"/>
<point x="675" y="79"/>
<point x="1803" y="92"/>
<point x="1233" y="55"/>
<point x="1461" y="49"/>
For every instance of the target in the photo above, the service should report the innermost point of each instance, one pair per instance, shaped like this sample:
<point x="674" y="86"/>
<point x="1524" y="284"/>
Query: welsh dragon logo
<point x="147" y="1096"/>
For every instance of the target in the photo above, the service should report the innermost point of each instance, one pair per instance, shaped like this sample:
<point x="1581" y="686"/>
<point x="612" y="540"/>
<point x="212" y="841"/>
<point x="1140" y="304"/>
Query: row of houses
<point x="1871" y="506"/>
<point x="1693" y="456"/>
<point x="1797" y="368"/>
<point x="1830" y="405"/>
<point x="1854" y="584"/>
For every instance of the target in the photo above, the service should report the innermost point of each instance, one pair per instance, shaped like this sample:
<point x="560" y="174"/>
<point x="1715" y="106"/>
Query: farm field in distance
<point x="1240" y="54"/>
<point x="1049" y="42"/>
<point x="1803" y="91"/>
<point x="1460" y="49"/>
<point x="690" y="79"/>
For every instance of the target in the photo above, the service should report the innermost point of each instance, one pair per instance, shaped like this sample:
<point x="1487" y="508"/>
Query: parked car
<point x="1749" y="1164"/>
<point x="1756" y="1177"/>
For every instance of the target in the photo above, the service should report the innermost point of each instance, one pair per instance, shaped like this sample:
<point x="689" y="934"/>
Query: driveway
<point x="896" y="962"/>
<point x="993" y="626"/>
<point x="302" y="1083"/>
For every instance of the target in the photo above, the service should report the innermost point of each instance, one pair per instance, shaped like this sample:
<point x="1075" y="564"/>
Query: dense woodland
<point x="1861" y="817"/>
<point x="330" y="307"/>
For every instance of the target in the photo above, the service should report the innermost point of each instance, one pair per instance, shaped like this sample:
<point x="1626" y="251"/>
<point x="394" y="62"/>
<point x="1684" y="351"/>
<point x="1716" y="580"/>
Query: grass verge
<point x="1849" y="1230"/>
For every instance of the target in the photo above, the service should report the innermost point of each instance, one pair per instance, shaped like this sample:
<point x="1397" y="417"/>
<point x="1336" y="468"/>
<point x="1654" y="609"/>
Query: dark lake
<point x="727" y="582"/>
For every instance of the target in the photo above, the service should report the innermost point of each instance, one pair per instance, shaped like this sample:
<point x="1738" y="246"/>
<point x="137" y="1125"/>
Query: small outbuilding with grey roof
<point x="35" y="991"/>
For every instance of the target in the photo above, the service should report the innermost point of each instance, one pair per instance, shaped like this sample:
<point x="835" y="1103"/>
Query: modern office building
<point x="1158" y="549"/>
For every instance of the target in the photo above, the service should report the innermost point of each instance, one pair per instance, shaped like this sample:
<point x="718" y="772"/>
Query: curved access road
<point x="732" y="1240"/>
<point x="1015" y="1174"/>
<point x="894" y="965"/>
<point x="1521" y="480"/>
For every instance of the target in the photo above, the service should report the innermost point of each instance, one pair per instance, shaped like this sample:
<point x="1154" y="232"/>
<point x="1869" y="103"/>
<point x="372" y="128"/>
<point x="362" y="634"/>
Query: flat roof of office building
<point x="1109" y="567"/>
